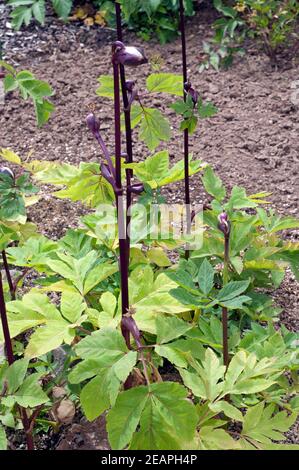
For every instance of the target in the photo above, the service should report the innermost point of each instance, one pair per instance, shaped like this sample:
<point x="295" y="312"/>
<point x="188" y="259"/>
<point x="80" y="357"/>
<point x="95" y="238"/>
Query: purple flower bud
<point x="130" y="85"/>
<point x="128" y="55"/>
<point x="7" y="171"/>
<point x="129" y="323"/>
<point x="224" y="224"/>
<point x="93" y="123"/>
<point x="137" y="188"/>
<point x="191" y="92"/>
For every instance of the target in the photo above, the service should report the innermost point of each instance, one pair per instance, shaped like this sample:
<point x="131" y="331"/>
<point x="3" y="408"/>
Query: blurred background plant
<point x="150" y="18"/>
<point x="272" y="22"/>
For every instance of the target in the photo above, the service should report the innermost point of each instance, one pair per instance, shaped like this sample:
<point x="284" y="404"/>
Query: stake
<point x="123" y="245"/>
<point x="186" y="132"/>
<point x="10" y="360"/>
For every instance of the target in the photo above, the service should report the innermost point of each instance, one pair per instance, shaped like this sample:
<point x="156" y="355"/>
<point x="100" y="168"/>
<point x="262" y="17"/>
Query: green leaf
<point x="124" y="417"/>
<point x="213" y="184"/>
<point x="30" y="393"/>
<point x="15" y="374"/>
<point x="72" y="306"/>
<point x="43" y="110"/>
<point x="175" y="356"/>
<point x="169" y="328"/>
<point x="236" y="303"/>
<point x="206" y="385"/>
<point x="3" y="439"/>
<point x="39" y="11"/>
<point x="229" y="410"/>
<point x="161" y="409"/>
<point x="106" y="87"/>
<point x="158" y="257"/>
<point x="183" y="279"/>
<point x="180" y="107"/>
<point x="216" y="439"/>
<point x="62" y="7"/>
<point x="245" y="375"/>
<point x="206" y="110"/>
<point x="206" y="277"/>
<point x="107" y="341"/>
<point x="189" y="123"/>
<point x="10" y="156"/>
<point x="47" y="338"/>
<point x="239" y="199"/>
<point x="154" y="128"/>
<point x="185" y="297"/>
<point x="165" y="83"/>
<point x="21" y="15"/>
<point x="94" y="397"/>
<point x="10" y="83"/>
<point x="232" y="289"/>
<point x="263" y="426"/>
<point x="98" y="274"/>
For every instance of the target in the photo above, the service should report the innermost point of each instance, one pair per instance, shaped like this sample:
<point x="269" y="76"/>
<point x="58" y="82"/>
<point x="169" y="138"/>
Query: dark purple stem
<point x="186" y="133"/>
<point x="127" y="114"/>
<point x="105" y="152"/>
<point x="12" y="290"/>
<point x="10" y="360"/>
<point x="5" y="327"/>
<point x="224" y="309"/>
<point x="123" y="245"/>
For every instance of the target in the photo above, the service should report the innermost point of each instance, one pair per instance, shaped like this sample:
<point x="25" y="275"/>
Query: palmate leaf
<point x="83" y="183"/>
<point x="36" y="310"/>
<point x="84" y="273"/>
<point x="170" y="328"/>
<point x="165" y="83"/>
<point x="25" y="81"/>
<point x="156" y="172"/>
<point x="213" y="184"/>
<point x="211" y="438"/>
<point x="108" y="363"/>
<point x="262" y="426"/>
<point x="26" y="391"/>
<point x="106" y="88"/>
<point x="161" y="411"/>
<point x="34" y="253"/>
<point x="157" y="301"/>
<point x="154" y="128"/>
<point x="245" y="375"/>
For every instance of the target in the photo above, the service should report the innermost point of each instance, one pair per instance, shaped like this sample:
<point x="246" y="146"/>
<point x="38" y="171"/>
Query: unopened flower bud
<point x="224" y="224"/>
<point x="128" y="55"/>
<point x="93" y="123"/>
<point x="191" y="92"/>
<point x="7" y="171"/>
<point x="130" y="85"/>
<point x="129" y="323"/>
<point x="137" y="188"/>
